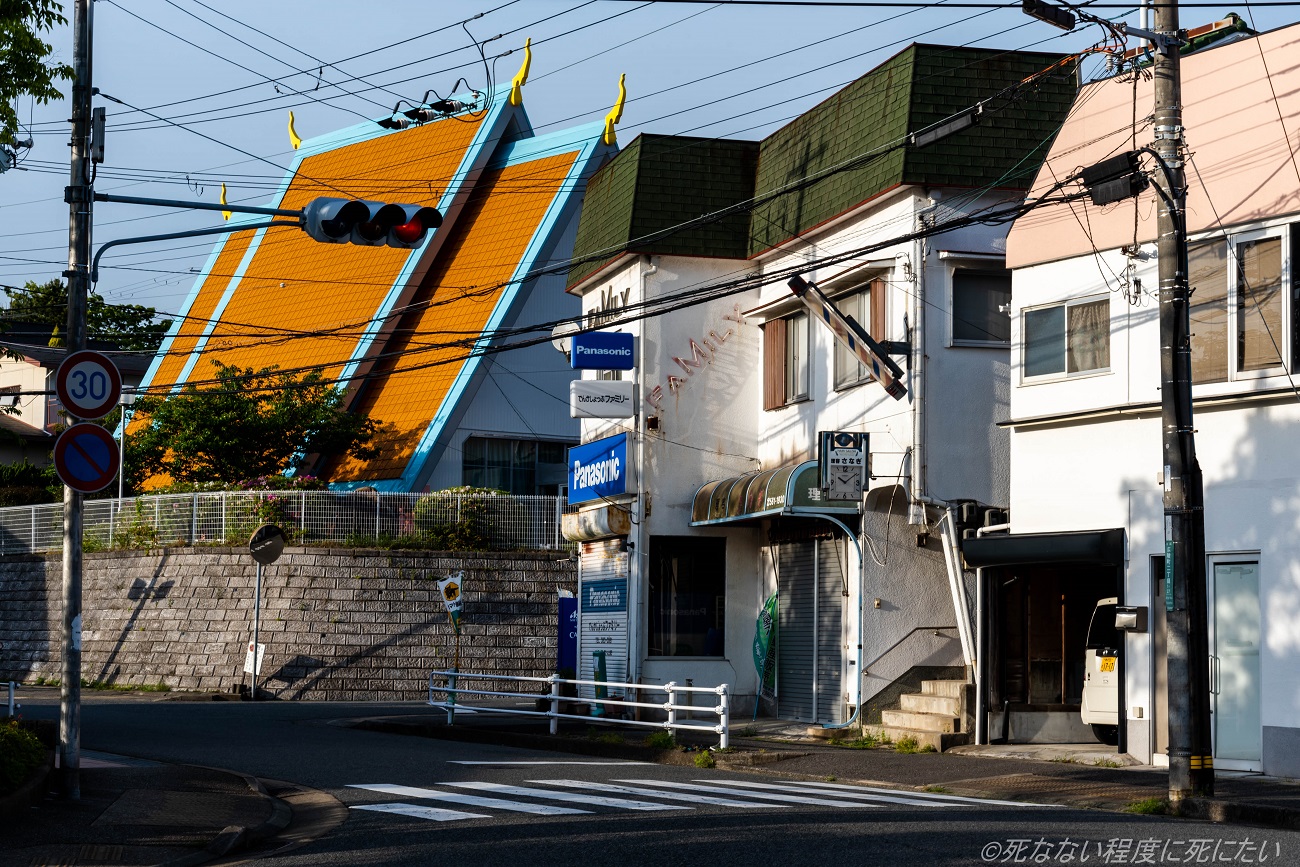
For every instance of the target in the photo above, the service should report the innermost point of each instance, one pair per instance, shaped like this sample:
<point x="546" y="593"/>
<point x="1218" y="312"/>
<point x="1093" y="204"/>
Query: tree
<point x="24" y="57"/>
<point x="248" y="423"/>
<point x="132" y="327"/>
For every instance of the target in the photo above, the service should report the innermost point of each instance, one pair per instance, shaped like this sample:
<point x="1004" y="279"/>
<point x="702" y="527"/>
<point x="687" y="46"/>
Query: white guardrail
<point x="670" y="706"/>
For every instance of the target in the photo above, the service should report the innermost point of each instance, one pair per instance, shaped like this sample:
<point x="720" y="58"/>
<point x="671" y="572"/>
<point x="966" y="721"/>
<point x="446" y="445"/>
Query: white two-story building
<point x="1086" y="509"/>
<point x="689" y="245"/>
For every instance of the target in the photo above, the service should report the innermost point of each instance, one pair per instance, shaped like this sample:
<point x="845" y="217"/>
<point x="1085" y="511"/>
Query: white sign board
<point x="248" y="659"/>
<point x="601" y="398"/>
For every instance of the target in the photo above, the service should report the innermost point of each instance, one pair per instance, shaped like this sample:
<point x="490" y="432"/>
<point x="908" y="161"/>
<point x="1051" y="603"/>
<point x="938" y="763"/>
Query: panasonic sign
<point x="602" y="350"/>
<point x="599" y="469"/>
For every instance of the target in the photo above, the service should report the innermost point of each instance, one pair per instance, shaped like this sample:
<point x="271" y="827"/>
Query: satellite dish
<point x="562" y="335"/>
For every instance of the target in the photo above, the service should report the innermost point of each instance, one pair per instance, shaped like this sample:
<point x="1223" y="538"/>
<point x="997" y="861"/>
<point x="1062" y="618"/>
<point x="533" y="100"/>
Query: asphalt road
<point x="423" y="801"/>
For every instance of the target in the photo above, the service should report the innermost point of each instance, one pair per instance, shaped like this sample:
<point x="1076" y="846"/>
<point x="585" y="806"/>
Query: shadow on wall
<point x="140" y="593"/>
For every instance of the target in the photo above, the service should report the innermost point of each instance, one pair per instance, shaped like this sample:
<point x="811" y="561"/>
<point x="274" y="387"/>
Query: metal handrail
<point x="670" y="706"/>
<point x="866" y="668"/>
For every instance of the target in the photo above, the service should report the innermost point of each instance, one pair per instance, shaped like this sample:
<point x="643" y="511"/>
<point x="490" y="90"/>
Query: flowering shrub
<point x="261" y="483"/>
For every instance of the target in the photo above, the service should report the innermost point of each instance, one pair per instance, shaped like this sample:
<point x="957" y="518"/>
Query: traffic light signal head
<point x="369" y="224"/>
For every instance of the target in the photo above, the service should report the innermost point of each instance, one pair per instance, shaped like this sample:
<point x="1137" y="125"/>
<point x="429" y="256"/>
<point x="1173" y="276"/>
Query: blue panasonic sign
<point x="599" y="469"/>
<point x="601" y="350"/>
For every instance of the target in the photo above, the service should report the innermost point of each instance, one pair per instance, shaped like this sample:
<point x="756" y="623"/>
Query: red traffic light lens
<point x="409" y="232"/>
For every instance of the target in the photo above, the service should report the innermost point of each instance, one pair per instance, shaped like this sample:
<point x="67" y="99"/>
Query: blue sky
<point x="715" y="70"/>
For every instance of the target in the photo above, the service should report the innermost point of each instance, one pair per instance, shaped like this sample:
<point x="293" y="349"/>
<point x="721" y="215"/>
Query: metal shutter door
<point x="796" y="632"/>
<point x="831" y="581"/>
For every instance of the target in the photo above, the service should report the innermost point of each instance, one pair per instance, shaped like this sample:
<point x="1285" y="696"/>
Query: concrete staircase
<point x="939" y="716"/>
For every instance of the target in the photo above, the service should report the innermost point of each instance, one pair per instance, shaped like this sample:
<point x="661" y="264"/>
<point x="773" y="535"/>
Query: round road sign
<point x="86" y="458"/>
<point x="267" y="544"/>
<point x="88" y="384"/>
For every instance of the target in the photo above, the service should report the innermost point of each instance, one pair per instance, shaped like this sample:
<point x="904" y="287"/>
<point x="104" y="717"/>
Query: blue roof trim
<point x="566" y="199"/>
<point x="475" y="159"/>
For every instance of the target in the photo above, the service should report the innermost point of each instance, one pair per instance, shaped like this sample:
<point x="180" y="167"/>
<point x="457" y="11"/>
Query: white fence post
<point x="555" y="703"/>
<point x="32" y="549"/>
<point x="671" y="688"/>
<point x="724" y="713"/>
<point x="377" y="495"/>
<point x="194" y="519"/>
<point x="302" y="517"/>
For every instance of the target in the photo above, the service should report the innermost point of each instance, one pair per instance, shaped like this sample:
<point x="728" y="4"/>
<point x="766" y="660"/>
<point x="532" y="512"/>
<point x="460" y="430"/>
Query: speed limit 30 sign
<point x="88" y="384"/>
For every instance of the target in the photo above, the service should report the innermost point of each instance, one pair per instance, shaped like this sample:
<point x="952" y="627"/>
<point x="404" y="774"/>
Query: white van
<point x="1100" y="708"/>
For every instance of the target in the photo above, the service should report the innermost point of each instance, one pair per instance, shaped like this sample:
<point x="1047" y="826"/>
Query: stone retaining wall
<point x="338" y="624"/>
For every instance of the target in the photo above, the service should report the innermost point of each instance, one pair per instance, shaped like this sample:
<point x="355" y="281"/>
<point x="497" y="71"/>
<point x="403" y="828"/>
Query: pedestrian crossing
<point x="479" y="799"/>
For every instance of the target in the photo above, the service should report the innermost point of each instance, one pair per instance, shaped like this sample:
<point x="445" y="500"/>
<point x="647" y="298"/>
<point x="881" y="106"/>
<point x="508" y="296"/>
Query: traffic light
<point x="369" y="224"/>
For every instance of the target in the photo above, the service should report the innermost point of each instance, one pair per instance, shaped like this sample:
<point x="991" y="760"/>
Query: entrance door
<point x="1234" y="667"/>
<point x="809" y="643"/>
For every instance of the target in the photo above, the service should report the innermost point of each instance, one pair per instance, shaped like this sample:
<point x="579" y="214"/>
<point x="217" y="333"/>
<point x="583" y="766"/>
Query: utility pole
<point x="1191" y="766"/>
<point x="79" y="197"/>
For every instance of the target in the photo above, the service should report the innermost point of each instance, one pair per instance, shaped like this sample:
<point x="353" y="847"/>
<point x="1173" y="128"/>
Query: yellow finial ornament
<point x="521" y="77"/>
<point x="225" y="215"/>
<point x="294" y="138"/>
<point x="616" y="113"/>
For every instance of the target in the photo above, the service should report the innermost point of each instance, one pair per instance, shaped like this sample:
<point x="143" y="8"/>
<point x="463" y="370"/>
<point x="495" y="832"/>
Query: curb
<point x="550" y="743"/>
<point x="235" y="838"/>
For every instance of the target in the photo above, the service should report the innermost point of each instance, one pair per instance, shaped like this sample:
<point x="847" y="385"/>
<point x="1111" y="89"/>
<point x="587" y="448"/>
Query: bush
<point x="660" y="740"/>
<point x="704" y="759"/>
<point x="457" y="519"/>
<point x="25" y="484"/>
<point x="21" y="753"/>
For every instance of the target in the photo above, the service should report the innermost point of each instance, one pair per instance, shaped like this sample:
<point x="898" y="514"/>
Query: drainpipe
<point x="638" y="553"/>
<point x="981" y="646"/>
<point x="916" y="376"/>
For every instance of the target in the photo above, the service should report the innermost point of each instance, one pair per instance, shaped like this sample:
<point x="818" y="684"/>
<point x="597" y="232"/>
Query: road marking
<point x="947" y="799"/>
<point x="842" y="791"/>
<point x="469" y="800"/>
<point x="421" y="812"/>
<point x="772" y="796"/>
<point x="595" y="800"/>
<point x="462" y="762"/>
<point x="667" y="796"/>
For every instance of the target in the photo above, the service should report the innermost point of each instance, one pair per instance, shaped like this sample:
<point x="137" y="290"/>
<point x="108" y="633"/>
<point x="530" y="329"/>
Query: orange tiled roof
<point x="454" y="302"/>
<point x="294" y="282"/>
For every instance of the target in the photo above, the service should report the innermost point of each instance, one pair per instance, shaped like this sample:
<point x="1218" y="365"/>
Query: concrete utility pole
<point x="1191" y="766"/>
<point x="78" y="196"/>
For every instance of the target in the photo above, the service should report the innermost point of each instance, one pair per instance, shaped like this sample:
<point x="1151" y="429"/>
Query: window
<point x="786" y="348"/>
<point x="515" y="466"/>
<point x="687" y="604"/>
<point x="1237" y="309"/>
<point x="866" y="305"/>
<point x="981" y="305"/>
<point x="1068" y="338"/>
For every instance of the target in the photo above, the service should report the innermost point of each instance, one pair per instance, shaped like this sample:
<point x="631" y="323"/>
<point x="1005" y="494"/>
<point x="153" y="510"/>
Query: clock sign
<point x="843" y="464"/>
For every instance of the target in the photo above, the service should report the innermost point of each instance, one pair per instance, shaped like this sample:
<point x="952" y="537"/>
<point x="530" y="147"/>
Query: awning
<point x="1099" y="547"/>
<point x="793" y="490"/>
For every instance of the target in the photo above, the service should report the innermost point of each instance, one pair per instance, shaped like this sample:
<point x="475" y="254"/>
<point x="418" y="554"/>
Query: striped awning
<point x="791" y="490"/>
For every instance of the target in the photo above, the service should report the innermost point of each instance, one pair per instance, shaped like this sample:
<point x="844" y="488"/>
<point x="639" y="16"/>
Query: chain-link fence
<point x="442" y="520"/>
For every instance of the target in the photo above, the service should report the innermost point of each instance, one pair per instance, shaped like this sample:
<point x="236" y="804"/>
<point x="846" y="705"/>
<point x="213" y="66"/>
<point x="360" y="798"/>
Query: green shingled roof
<point x="659" y="182"/>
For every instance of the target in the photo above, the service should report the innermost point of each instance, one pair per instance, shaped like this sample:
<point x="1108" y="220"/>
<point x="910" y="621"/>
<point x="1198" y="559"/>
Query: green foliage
<point x="907" y="744"/>
<point x="938" y="790"/>
<point x="1148" y="807"/>
<point x="24" y="57"/>
<point x="136" y="531"/>
<point x="245" y="424"/>
<point x="704" y="759"/>
<point x="27" y="484"/>
<point x="609" y="738"/>
<point x="661" y="740"/>
<point x="456" y="519"/>
<point x="130" y="326"/>
<point x="21" y="753"/>
<point x="261" y="483"/>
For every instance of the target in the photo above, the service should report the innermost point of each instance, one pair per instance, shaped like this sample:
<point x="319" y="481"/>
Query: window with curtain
<point x="1070" y="338"/>
<point x="1238" y="308"/>
<point x="786" y="348"/>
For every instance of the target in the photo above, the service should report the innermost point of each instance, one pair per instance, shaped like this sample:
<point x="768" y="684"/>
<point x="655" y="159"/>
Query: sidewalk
<point x="134" y="812"/>
<point x="1086" y="775"/>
